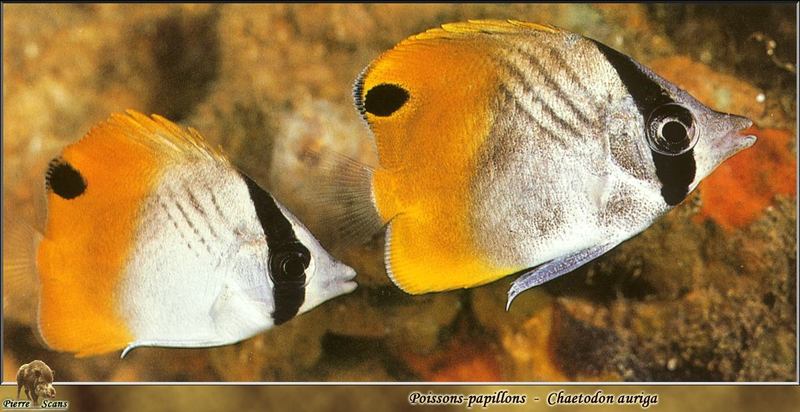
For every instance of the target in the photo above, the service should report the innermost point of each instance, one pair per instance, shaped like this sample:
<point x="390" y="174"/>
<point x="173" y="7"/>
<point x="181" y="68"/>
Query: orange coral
<point x="743" y="186"/>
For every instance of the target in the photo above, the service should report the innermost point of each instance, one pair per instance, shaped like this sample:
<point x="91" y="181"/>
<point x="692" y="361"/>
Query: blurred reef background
<point x="705" y="294"/>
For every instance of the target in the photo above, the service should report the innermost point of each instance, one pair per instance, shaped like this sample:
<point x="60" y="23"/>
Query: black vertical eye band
<point x="288" y="257"/>
<point x="673" y="153"/>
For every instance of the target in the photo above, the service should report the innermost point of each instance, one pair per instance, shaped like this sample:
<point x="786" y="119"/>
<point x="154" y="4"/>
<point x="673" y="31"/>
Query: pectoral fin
<point x="555" y="268"/>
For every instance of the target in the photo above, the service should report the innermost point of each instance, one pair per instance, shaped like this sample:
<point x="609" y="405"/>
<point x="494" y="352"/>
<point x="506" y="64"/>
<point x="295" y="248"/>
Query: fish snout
<point x="344" y="279"/>
<point x="730" y="134"/>
<point x="739" y="136"/>
<point x="331" y="279"/>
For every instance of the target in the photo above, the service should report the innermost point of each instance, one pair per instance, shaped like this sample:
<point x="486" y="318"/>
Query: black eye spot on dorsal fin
<point x="385" y="99"/>
<point x="64" y="180"/>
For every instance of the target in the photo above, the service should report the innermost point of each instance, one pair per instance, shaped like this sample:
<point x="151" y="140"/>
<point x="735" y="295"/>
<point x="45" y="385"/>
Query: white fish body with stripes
<point x="509" y="147"/>
<point x="153" y="238"/>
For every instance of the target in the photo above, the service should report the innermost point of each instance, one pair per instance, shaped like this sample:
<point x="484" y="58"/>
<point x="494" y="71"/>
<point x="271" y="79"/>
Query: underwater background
<point x="708" y="293"/>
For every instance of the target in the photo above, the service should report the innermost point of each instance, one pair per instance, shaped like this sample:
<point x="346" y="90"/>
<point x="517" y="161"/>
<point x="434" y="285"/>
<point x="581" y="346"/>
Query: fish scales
<point x="237" y="254"/>
<point x="507" y="224"/>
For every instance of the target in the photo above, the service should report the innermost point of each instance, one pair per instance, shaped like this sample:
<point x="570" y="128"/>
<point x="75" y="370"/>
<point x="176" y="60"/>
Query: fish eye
<point x="385" y="99"/>
<point x="292" y="267"/>
<point x="670" y="130"/>
<point x="289" y="265"/>
<point x="64" y="180"/>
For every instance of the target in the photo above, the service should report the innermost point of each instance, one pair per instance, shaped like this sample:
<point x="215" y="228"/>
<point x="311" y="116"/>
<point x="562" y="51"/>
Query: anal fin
<point x="421" y="257"/>
<point x="555" y="268"/>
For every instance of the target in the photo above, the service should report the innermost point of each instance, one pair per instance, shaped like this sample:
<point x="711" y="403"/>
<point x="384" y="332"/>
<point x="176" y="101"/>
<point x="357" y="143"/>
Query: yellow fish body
<point x="506" y="145"/>
<point x="154" y="239"/>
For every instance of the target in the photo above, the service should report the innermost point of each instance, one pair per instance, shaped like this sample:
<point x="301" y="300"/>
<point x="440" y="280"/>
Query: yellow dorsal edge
<point x="456" y="30"/>
<point x="164" y="136"/>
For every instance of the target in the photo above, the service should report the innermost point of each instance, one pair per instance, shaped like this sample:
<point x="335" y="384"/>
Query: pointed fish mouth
<point x="349" y="283"/>
<point x="340" y="279"/>
<point x="343" y="281"/>
<point x="743" y="128"/>
<point x="743" y="138"/>
<point x="739" y="137"/>
<point x="348" y="287"/>
<point x="337" y="280"/>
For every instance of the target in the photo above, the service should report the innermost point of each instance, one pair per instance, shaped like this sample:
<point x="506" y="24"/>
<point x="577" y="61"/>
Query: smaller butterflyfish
<point x="153" y="238"/>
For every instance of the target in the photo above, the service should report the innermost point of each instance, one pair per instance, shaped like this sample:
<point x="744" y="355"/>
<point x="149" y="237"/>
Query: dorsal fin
<point x="460" y="29"/>
<point x="159" y="134"/>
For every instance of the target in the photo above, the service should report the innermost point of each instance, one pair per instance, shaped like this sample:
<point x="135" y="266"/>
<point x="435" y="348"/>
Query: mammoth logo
<point x="36" y="378"/>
